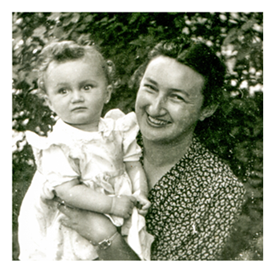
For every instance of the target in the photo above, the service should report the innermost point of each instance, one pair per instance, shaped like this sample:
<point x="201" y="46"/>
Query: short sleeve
<point x="56" y="166"/>
<point x="127" y="125"/>
<point x="52" y="161"/>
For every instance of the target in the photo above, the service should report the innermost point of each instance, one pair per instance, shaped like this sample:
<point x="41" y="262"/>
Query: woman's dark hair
<point x="64" y="51"/>
<point x="197" y="56"/>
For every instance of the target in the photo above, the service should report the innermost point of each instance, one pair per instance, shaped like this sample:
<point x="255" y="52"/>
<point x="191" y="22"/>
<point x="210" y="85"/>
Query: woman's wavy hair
<point x="63" y="51"/>
<point x="197" y="56"/>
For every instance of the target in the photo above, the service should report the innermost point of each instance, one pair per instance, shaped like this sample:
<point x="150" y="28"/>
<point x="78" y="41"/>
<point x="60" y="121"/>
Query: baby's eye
<point x="88" y="87"/>
<point x="62" y="91"/>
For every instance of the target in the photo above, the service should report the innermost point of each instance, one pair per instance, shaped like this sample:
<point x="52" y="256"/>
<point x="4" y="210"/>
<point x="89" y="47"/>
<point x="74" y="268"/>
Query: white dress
<point x="97" y="160"/>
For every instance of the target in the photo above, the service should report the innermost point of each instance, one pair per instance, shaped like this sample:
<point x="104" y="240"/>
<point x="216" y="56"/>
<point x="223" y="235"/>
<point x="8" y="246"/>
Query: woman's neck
<point x="160" y="158"/>
<point x="165" y="153"/>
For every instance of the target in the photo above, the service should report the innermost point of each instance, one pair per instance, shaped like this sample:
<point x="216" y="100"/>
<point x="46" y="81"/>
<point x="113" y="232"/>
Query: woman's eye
<point x="177" y="98"/>
<point x="150" y="87"/>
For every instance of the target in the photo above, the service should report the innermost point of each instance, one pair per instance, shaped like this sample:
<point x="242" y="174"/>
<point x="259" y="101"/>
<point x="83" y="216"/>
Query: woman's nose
<point x="77" y="96"/>
<point x="157" y="107"/>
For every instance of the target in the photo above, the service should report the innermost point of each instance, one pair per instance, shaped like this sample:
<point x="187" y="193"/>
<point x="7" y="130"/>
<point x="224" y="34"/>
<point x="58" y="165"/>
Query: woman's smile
<point x="155" y="122"/>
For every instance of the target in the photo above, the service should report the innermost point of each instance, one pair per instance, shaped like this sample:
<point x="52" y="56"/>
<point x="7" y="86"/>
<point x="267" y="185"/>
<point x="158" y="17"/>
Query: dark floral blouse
<point x="193" y="207"/>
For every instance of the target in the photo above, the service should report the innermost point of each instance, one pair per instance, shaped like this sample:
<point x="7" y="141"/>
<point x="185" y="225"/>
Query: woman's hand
<point x="94" y="227"/>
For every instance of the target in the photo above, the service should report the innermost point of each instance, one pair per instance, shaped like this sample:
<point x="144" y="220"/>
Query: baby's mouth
<point x="79" y="108"/>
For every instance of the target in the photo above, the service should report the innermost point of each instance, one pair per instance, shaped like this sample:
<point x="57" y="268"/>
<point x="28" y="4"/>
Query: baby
<point x="87" y="162"/>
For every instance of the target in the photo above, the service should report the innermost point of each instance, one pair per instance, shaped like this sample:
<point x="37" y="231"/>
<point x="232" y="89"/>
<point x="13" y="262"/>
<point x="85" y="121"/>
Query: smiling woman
<point x="168" y="91"/>
<point x="168" y="106"/>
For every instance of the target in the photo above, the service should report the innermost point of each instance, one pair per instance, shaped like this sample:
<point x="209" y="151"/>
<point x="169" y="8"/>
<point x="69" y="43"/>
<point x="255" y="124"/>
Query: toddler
<point x="87" y="162"/>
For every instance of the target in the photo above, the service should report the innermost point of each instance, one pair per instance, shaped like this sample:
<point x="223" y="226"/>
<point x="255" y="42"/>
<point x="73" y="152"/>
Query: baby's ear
<point x="208" y="111"/>
<point x="48" y="102"/>
<point x="109" y="90"/>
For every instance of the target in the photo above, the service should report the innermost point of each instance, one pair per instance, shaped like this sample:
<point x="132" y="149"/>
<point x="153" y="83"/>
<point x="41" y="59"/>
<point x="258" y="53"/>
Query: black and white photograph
<point x="137" y="136"/>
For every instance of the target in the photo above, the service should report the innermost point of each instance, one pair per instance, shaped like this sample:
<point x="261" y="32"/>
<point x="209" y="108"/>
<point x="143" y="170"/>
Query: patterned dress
<point x="193" y="207"/>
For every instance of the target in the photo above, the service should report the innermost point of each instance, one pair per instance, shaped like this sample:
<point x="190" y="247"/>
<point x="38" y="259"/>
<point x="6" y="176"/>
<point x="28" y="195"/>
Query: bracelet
<point x="104" y="244"/>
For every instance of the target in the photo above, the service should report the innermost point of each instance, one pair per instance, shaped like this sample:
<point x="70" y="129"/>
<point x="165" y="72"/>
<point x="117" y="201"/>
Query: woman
<point x="195" y="197"/>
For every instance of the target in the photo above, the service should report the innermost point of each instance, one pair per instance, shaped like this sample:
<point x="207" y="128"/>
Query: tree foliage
<point x="235" y="133"/>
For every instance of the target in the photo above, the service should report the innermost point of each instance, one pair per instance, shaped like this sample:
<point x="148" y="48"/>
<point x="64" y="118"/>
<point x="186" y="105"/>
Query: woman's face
<point x="169" y="101"/>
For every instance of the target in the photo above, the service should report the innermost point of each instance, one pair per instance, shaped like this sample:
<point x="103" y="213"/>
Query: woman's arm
<point x="95" y="228"/>
<point x="80" y="196"/>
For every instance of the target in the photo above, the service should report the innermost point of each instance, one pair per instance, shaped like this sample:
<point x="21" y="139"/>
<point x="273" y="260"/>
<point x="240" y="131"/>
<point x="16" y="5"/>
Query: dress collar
<point x="65" y="131"/>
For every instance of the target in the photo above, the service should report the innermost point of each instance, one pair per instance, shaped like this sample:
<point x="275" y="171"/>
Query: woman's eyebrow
<point x="180" y="91"/>
<point x="151" y="80"/>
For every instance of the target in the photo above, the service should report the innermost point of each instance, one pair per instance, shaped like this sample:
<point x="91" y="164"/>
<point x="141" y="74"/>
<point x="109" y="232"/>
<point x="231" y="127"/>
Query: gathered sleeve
<point x="53" y="162"/>
<point x="128" y="127"/>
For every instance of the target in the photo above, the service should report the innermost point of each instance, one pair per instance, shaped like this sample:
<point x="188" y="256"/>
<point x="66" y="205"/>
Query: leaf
<point x="136" y="42"/>
<point x="243" y="52"/>
<point x="66" y="20"/>
<point x="75" y="18"/>
<point x="248" y="25"/>
<point x="88" y="18"/>
<point x="38" y="32"/>
<point x="31" y="77"/>
<point x="54" y="16"/>
<point x="231" y="37"/>
<point x="134" y="17"/>
<point x="58" y="31"/>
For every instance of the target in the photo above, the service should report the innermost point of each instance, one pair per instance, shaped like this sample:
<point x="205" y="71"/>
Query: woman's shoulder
<point x="206" y="157"/>
<point x="209" y="164"/>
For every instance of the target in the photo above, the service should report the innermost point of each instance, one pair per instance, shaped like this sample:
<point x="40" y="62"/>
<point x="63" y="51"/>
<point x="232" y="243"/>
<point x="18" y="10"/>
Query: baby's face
<point x="77" y="91"/>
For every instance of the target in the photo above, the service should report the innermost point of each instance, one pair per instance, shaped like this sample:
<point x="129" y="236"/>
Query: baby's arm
<point x="80" y="196"/>
<point x="139" y="184"/>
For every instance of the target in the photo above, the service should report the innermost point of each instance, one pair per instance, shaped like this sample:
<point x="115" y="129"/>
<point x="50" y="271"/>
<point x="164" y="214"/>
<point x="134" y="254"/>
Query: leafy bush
<point x="235" y="133"/>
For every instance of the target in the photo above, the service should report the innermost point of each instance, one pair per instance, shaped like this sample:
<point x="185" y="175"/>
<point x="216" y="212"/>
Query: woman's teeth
<point x="156" y="121"/>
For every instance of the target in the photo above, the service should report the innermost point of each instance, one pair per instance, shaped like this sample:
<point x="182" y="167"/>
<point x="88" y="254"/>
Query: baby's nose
<point x="77" y="96"/>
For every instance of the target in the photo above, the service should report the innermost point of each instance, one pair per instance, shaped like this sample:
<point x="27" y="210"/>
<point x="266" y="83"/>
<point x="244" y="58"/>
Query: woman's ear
<point x="208" y="111"/>
<point x="109" y="90"/>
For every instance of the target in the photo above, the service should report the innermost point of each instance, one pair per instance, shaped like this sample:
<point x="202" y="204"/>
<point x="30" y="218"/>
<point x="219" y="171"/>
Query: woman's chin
<point x="153" y="134"/>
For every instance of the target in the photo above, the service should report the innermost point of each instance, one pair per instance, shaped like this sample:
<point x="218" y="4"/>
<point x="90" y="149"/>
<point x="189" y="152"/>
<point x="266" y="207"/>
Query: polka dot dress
<point x="193" y="207"/>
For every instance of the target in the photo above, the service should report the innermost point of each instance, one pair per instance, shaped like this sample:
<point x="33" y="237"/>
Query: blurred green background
<point x="235" y="132"/>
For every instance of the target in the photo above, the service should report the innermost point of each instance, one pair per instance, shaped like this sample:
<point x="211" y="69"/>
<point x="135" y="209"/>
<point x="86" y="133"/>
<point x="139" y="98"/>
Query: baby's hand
<point x="122" y="206"/>
<point x="143" y="204"/>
